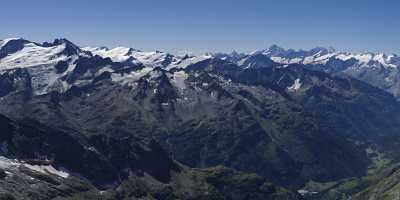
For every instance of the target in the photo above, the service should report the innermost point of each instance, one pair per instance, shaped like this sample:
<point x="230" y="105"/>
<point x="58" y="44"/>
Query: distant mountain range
<point x="377" y="69"/>
<point x="145" y="121"/>
<point x="380" y="70"/>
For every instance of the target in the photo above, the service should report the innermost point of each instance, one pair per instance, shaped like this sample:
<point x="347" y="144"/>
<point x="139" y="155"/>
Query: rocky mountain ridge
<point x="289" y="123"/>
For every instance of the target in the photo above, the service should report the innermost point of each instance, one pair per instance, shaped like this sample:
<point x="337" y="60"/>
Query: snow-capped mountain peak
<point x="118" y="54"/>
<point x="46" y="62"/>
<point x="25" y="54"/>
<point x="69" y="47"/>
<point x="274" y="50"/>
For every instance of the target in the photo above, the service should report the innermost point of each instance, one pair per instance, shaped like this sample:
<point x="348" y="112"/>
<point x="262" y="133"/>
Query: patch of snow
<point x="128" y="78"/>
<point x="104" y="69"/>
<point x="364" y="58"/>
<point x="189" y="60"/>
<point x="295" y="60"/>
<point x="213" y="94"/>
<point x="6" y="163"/>
<point x="178" y="79"/>
<point x="155" y="74"/>
<point x="65" y="86"/>
<point x="281" y="60"/>
<point x="47" y="169"/>
<point x="12" y="165"/>
<point x="384" y="60"/>
<point x="151" y="59"/>
<point x="296" y="85"/>
<point x="306" y="192"/>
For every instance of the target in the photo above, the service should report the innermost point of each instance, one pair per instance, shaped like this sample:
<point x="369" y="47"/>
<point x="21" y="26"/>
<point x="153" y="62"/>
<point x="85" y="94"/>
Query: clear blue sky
<point x="208" y="25"/>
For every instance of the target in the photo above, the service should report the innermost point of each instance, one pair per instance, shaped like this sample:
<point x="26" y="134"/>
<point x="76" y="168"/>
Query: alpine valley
<point x="98" y="123"/>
